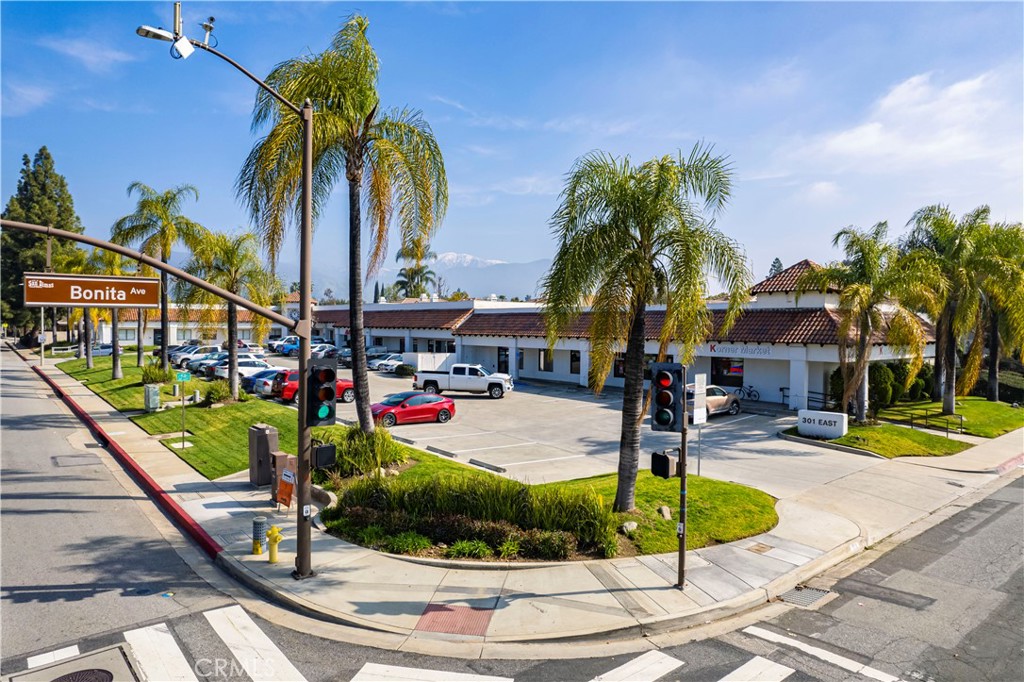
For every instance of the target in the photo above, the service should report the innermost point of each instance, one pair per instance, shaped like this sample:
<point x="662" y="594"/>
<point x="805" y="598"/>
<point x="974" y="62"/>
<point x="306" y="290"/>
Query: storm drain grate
<point x="803" y="596"/>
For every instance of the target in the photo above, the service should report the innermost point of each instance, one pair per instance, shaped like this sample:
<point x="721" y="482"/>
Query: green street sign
<point x="184" y="376"/>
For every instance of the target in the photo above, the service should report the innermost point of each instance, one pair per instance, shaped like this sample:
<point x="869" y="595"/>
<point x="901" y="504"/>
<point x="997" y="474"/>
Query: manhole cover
<point x="760" y="548"/>
<point x="803" y="596"/>
<point x="92" y="675"/>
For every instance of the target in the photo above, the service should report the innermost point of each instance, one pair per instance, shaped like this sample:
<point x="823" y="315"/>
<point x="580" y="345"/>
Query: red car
<point x="286" y="386"/>
<point x="413" y="406"/>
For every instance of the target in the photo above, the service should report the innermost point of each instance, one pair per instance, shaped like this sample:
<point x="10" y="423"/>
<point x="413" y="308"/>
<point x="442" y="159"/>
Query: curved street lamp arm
<point x="254" y="79"/>
<point x="156" y="264"/>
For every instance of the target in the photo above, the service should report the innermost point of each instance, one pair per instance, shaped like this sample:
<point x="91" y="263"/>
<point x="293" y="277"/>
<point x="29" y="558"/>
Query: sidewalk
<point x="442" y="605"/>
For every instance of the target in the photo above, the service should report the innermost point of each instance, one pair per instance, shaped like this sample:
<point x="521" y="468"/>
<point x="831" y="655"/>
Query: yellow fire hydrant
<point x="273" y="538"/>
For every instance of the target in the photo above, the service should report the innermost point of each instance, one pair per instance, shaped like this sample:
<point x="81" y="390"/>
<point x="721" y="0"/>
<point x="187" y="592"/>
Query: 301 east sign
<point x="88" y="291"/>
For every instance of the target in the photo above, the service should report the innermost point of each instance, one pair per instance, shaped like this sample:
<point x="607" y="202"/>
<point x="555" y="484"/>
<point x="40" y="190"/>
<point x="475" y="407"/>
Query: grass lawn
<point x="981" y="417"/>
<point x="718" y="511"/>
<point x="898" y="441"/>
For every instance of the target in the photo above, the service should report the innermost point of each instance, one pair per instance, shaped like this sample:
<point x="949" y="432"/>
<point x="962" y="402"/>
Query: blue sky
<point x="832" y="113"/>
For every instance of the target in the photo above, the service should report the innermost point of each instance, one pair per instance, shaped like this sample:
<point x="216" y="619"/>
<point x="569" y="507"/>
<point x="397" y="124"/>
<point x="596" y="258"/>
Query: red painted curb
<point x="202" y="538"/>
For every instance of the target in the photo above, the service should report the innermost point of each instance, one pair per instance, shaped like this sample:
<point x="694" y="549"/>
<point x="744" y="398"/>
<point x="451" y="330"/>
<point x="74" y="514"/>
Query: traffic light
<point x="668" y="383"/>
<point x="322" y="392"/>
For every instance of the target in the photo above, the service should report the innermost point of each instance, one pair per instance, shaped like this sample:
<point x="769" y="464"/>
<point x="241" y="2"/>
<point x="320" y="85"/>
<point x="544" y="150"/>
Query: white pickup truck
<point x="471" y="378"/>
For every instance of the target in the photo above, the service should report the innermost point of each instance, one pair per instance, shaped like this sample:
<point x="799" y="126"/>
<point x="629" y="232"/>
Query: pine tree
<point x="42" y="198"/>
<point x="376" y="292"/>
<point x="776" y="268"/>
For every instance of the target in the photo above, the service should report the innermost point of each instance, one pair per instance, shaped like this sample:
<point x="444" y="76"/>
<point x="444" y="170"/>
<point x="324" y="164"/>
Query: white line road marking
<point x="159" y="655"/>
<point x="53" y="656"/>
<point x="538" y="461"/>
<point x="827" y="656"/>
<point x="374" y="672"/>
<point x="461" y="435"/>
<point x="260" y="657"/>
<point x="646" y="668"/>
<point x="758" y="669"/>
<point x="495" y="447"/>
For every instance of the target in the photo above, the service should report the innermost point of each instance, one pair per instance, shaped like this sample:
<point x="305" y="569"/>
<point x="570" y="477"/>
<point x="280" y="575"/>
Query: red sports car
<point x="413" y="406"/>
<point x="286" y="385"/>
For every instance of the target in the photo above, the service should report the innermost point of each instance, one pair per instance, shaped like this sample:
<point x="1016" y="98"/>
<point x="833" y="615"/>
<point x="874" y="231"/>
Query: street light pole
<point x="303" y="328"/>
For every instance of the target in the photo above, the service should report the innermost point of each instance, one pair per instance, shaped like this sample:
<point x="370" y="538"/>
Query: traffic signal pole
<point x="681" y="530"/>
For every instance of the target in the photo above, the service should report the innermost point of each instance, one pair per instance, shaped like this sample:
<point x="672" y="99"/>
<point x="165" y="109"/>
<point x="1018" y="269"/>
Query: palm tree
<point x="415" y="278"/>
<point x="627" y="235"/>
<point x="393" y="156"/>
<point x="110" y="263"/>
<point x="232" y="263"/>
<point x="955" y="248"/>
<point x="879" y="290"/>
<point x="156" y="225"/>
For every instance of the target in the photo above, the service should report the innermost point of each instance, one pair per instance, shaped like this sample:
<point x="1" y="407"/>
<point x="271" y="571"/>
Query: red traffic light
<point x="323" y="375"/>
<point x="664" y="379"/>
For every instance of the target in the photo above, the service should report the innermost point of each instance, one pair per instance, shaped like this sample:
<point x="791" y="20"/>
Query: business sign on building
<point x="734" y="350"/>
<point x="815" y="424"/>
<point x="89" y="291"/>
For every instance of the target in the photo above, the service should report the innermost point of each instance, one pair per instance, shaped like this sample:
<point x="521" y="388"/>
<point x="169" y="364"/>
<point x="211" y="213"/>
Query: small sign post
<point x="183" y="377"/>
<point x="700" y="408"/>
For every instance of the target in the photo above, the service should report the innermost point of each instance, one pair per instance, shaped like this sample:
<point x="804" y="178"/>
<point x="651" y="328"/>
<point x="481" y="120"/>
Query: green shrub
<point x="359" y="453"/>
<point x="550" y="545"/>
<point x="509" y="549"/>
<point x="473" y="549"/>
<point x="835" y="386"/>
<point x="405" y="370"/>
<point x="373" y="536"/>
<point x="217" y="392"/>
<point x="927" y="374"/>
<point x="152" y="374"/>
<point x="916" y="389"/>
<point x="900" y="374"/>
<point x="409" y="542"/>
<point x="879" y="386"/>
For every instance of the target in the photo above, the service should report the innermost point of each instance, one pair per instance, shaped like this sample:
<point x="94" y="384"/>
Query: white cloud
<point x="94" y="55"/>
<point x="543" y="185"/>
<point x="20" y="99"/>
<point x="821" y="191"/>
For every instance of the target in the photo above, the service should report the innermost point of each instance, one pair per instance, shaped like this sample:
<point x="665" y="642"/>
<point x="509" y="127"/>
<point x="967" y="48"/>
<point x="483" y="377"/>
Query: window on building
<point x="184" y="334"/>
<point x="619" y="368"/>
<point x="126" y="334"/>
<point x="574" y="362"/>
<point x="245" y="334"/>
<point x="378" y="341"/>
<point x="519" y="359"/>
<point x="545" y="360"/>
<point x="727" y="371"/>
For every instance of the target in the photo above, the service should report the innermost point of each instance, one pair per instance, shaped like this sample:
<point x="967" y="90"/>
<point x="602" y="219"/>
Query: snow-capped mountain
<point x="451" y="259"/>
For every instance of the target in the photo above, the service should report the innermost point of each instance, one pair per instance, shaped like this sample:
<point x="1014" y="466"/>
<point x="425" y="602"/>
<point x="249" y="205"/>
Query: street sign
<point x="184" y="376"/>
<point x="700" y="398"/>
<point x="88" y="291"/>
<point x="700" y="415"/>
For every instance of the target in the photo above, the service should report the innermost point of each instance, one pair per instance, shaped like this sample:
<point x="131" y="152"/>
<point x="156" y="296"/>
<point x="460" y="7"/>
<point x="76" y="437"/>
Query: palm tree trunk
<point x="993" y="356"/>
<point x="949" y="368"/>
<point x="115" y="356"/>
<point x="140" y="332"/>
<point x="233" y="349"/>
<point x="81" y="339"/>
<point x="861" y="372"/>
<point x="165" y="322"/>
<point x="632" y="404"/>
<point x="360" y="379"/>
<point x="87" y="314"/>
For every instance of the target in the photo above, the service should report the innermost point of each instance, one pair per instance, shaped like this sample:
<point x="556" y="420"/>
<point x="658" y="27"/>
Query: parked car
<point x="260" y="383"/>
<point x="275" y="346"/>
<point x="175" y="350"/>
<point x="344" y="357"/>
<point x="719" y="401"/>
<point x="323" y="350"/>
<point x="375" y="363"/>
<point x="461" y="377"/>
<point x="291" y="349"/>
<point x="245" y="368"/>
<point x="199" y="362"/>
<point x="210" y="370"/>
<point x="413" y="406"/>
<point x="170" y="349"/>
<point x="100" y="350"/>
<point x="253" y="347"/>
<point x="318" y="340"/>
<point x="286" y="385"/>
<point x="181" y="359"/>
<point x="388" y="365"/>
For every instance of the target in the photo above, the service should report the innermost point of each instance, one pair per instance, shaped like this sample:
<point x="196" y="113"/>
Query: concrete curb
<point x="186" y="522"/>
<point x="829" y="446"/>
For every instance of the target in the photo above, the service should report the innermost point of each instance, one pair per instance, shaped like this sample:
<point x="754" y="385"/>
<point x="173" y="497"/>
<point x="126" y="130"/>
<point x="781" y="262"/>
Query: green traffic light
<point x="323" y="411"/>
<point x="664" y="417"/>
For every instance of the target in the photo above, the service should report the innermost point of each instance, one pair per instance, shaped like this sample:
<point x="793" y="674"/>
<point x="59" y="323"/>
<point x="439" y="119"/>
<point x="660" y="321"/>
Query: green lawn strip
<point x="892" y="441"/>
<point x="981" y="417"/>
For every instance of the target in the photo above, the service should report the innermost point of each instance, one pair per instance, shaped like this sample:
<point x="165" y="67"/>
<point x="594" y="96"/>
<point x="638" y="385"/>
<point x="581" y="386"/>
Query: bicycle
<point x="747" y="393"/>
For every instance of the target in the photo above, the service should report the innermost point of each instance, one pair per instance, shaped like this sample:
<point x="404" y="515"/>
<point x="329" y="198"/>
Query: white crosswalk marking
<point x="758" y="669"/>
<point x="260" y="657"/>
<point x="53" y="656"/>
<point x="374" y="672"/>
<point x="159" y="655"/>
<point x="823" y="654"/>
<point x="646" y="668"/>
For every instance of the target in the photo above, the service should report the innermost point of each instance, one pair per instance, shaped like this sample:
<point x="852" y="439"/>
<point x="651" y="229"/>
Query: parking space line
<point x="495" y="447"/>
<point x="459" y="435"/>
<point x="538" y="461"/>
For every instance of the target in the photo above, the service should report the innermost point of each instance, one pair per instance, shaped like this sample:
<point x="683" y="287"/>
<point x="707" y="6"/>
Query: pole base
<point x="299" y="576"/>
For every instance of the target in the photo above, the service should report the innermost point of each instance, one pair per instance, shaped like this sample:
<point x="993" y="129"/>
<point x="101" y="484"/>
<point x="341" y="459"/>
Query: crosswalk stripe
<point x="53" y="656"/>
<point x="374" y="672"/>
<point x="758" y="669"/>
<point x="159" y="655"/>
<point x="260" y="657"/>
<point x="646" y="668"/>
<point x="823" y="654"/>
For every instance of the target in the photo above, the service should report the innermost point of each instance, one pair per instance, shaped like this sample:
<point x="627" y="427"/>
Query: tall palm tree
<point x="392" y="156"/>
<point x="415" y="278"/>
<point x="110" y="263"/>
<point x="627" y="235"/>
<point x="156" y="225"/>
<point x="233" y="263"/>
<point x="955" y="248"/>
<point x="879" y="290"/>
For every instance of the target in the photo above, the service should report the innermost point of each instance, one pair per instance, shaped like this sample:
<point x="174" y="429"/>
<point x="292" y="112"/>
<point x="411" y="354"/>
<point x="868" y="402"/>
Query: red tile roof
<point x="428" y="318"/>
<point x="294" y="298"/>
<point x="786" y="280"/>
<point x="174" y="315"/>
